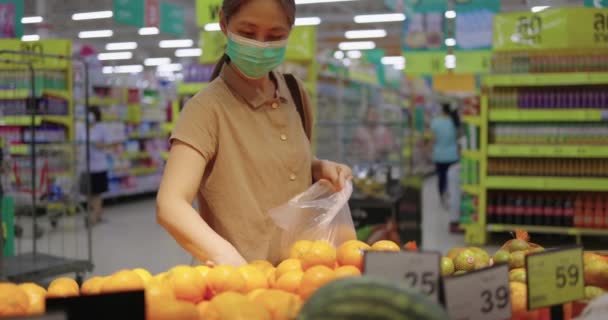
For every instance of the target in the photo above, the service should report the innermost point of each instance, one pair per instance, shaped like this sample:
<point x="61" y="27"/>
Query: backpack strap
<point x="296" y="95"/>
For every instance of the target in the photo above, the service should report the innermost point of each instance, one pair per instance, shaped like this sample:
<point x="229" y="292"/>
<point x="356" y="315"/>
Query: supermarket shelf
<point x="568" y="115"/>
<point x="14" y="94"/>
<point x="25" y="120"/>
<point x="548" y="229"/>
<point x="128" y="192"/>
<point x="135" y="155"/>
<point x="473" y="155"/>
<point x="22" y="149"/>
<point x="562" y="151"/>
<point x="102" y="102"/>
<point x="547" y="183"/>
<point x="548" y="79"/>
<point x="167" y="127"/>
<point x="473" y="120"/>
<point x="147" y="136"/>
<point x="190" y="88"/>
<point x="471" y="189"/>
<point x="164" y="155"/>
<point x="63" y="94"/>
<point x="143" y="171"/>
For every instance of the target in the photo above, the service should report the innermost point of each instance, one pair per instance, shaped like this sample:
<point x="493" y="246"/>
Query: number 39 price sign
<point x="555" y="277"/>
<point x="479" y="295"/>
<point x="418" y="270"/>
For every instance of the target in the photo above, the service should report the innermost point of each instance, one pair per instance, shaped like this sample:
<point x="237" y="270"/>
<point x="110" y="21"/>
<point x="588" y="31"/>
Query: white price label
<point x="479" y="295"/>
<point x="418" y="270"/>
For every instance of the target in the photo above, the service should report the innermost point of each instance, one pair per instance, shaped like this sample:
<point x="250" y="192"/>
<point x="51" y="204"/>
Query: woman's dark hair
<point x="232" y="7"/>
<point x="446" y="107"/>
<point x="96" y="113"/>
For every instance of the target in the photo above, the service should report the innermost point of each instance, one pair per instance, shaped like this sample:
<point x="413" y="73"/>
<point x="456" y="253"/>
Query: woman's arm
<point x="179" y="186"/>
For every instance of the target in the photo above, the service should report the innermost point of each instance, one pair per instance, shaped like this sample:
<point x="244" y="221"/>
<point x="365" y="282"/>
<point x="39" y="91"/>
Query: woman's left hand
<point x="336" y="173"/>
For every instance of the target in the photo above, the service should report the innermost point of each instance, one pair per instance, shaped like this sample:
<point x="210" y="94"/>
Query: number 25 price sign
<point x="479" y="295"/>
<point x="419" y="270"/>
<point x="555" y="277"/>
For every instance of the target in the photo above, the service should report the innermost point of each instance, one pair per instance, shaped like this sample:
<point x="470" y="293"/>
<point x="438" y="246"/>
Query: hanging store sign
<point x="207" y="11"/>
<point x="47" y="46"/>
<point x="421" y="63"/>
<point x="172" y="19"/>
<point x="477" y="61"/>
<point x="213" y="44"/>
<point x="11" y="12"/>
<point x="474" y="23"/>
<point x="596" y="3"/>
<point x="301" y="45"/>
<point x="129" y="12"/>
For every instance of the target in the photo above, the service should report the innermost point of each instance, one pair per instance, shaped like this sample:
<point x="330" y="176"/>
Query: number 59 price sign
<point x="479" y="295"/>
<point x="419" y="270"/>
<point x="555" y="277"/>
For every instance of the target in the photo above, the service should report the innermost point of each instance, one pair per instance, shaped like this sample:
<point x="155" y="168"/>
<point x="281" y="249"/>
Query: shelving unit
<point x="542" y="141"/>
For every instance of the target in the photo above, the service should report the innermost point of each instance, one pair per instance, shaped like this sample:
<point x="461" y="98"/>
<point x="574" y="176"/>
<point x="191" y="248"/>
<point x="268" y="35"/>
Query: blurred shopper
<point x="445" y="145"/>
<point x="98" y="176"/>
<point x="241" y="145"/>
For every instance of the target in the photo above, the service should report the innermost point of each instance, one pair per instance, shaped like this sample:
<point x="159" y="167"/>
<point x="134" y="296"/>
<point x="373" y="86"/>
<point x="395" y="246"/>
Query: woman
<point x="240" y="146"/>
<point x="98" y="177"/>
<point x="445" y="145"/>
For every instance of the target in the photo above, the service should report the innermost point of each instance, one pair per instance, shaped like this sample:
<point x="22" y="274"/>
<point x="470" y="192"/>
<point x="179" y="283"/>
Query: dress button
<point x="284" y="137"/>
<point x="274" y="105"/>
<point x="292" y="177"/>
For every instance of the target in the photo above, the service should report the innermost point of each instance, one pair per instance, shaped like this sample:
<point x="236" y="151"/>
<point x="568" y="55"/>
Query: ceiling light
<point x="30" y="37"/>
<point x="372" y="18"/>
<point x="319" y="1"/>
<point x="450" y="14"/>
<point x="357" y="45"/>
<point x="539" y="8"/>
<point x="133" y="68"/>
<point x="393" y="60"/>
<point x="399" y="66"/>
<point x="107" y="70"/>
<point x="92" y="15"/>
<point x="125" y="55"/>
<point x="347" y="62"/>
<point x="182" y="43"/>
<point x="194" y="52"/>
<point x="365" y="34"/>
<point x="308" y="21"/>
<point x="173" y="67"/>
<point x="354" y="54"/>
<point x="156" y="61"/>
<point x="95" y="34"/>
<point x="121" y="46"/>
<point x="215" y="26"/>
<point x="450" y="61"/>
<point x="148" y="31"/>
<point x="450" y="42"/>
<point x="339" y="55"/>
<point x="36" y="19"/>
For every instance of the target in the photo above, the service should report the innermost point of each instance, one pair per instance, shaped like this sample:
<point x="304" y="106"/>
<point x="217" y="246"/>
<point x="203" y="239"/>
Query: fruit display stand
<point x="542" y="130"/>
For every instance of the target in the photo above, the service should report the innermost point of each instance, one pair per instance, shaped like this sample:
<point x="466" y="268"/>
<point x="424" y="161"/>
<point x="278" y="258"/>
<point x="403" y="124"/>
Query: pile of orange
<point x="259" y="289"/>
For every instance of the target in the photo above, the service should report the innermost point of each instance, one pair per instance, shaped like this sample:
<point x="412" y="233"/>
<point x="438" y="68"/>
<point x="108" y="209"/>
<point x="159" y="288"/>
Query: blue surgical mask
<point x="253" y="58"/>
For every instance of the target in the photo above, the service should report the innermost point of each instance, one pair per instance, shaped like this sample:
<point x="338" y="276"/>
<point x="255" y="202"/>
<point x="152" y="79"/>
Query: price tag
<point x="480" y="295"/>
<point x="418" y="270"/>
<point x="555" y="277"/>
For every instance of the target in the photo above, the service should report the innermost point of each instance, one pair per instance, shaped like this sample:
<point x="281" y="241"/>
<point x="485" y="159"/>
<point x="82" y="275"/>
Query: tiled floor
<point x="131" y="238"/>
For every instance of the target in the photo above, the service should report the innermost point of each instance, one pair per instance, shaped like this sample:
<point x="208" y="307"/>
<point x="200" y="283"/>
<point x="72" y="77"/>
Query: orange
<point x="321" y="253"/>
<point x="281" y="305"/>
<point x="290" y="281"/>
<point x="14" y="301"/>
<point x="263" y="265"/>
<point x="225" y="278"/>
<point x="234" y="306"/>
<point x="203" y="270"/>
<point x="314" y="278"/>
<point x="288" y="265"/>
<point x="161" y="276"/>
<point x="121" y="281"/>
<point x="300" y="248"/>
<point x="202" y="309"/>
<point x="171" y="310"/>
<point x="254" y="278"/>
<point x="144" y="274"/>
<point x="63" y="288"/>
<point x="271" y="277"/>
<point x="351" y="253"/>
<point x="385" y="245"/>
<point x="347" y="271"/>
<point x="92" y="286"/>
<point x="519" y="297"/>
<point x="251" y="295"/>
<point x="36" y="295"/>
<point x="187" y="284"/>
<point x="158" y="291"/>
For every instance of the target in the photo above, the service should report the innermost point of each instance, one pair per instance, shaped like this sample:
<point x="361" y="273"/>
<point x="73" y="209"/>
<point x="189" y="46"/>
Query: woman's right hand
<point x="233" y="259"/>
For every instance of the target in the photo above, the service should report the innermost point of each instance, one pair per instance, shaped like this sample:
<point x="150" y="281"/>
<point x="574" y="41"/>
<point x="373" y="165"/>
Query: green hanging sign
<point x="172" y="18"/>
<point x="425" y="6"/>
<point x="129" y="12"/>
<point x="596" y="3"/>
<point x="425" y="63"/>
<point x="10" y="19"/>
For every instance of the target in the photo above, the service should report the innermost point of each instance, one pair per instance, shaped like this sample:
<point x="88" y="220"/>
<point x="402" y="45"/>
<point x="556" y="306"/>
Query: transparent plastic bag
<point x="318" y="213"/>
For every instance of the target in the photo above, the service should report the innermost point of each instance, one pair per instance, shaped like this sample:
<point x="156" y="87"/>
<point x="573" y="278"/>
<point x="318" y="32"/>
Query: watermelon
<point x="370" y="299"/>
